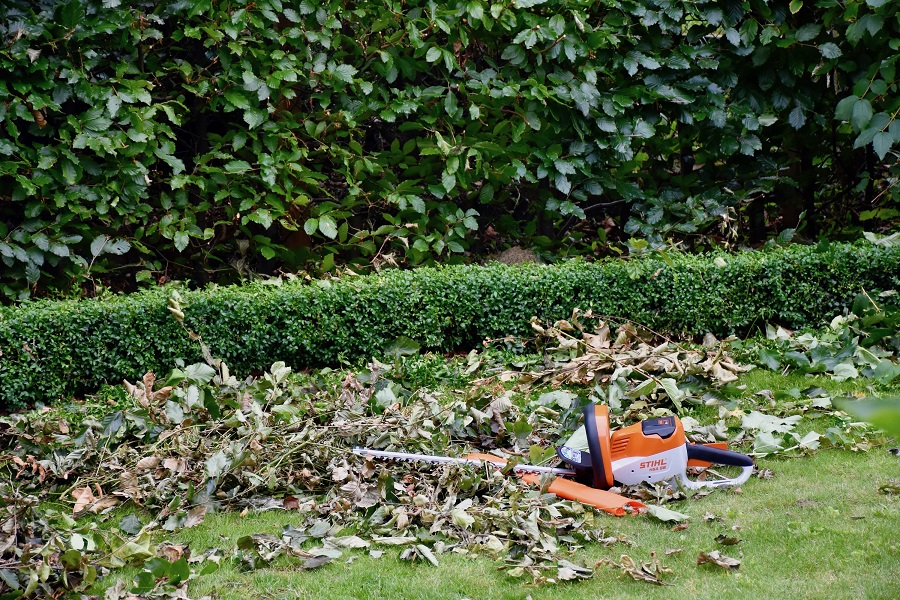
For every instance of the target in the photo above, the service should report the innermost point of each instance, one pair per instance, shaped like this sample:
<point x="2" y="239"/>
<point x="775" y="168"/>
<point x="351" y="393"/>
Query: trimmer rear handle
<point x="718" y="456"/>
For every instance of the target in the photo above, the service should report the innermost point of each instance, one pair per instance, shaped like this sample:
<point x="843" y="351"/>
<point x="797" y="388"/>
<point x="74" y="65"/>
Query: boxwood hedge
<point x="54" y="349"/>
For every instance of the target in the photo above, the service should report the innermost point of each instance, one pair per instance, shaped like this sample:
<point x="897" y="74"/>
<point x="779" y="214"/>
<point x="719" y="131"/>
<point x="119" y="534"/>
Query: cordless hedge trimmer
<point x="653" y="451"/>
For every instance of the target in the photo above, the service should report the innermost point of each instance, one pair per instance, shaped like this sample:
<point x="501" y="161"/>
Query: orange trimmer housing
<point x="638" y="439"/>
<point x="652" y="451"/>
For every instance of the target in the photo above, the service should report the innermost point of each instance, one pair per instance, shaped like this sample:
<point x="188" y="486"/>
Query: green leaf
<point x="795" y="6"/>
<point x="844" y="371"/>
<point x="830" y="50"/>
<point x="559" y="398"/>
<point x="113" y="104"/>
<point x="117" y="247"/>
<point x="807" y="32"/>
<point x="449" y="182"/>
<point x="433" y="54"/>
<point x="797" y="118"/>
<point x="99" y="244"/>
<point x="199" y="373"/>
<point x="130" y="524"/>
<point x="134" y="551"/>
<point x="8" y="576"/>
<point x="237" y="166"/>
<point x="769" y="358"/>
<point x="766" y="443"/>
<point x="676" y="395"/>
<point x="666" y="515"/>
<point x="328" y="226"/>
<point x="344" y="73"/>
<point x="862" y="114"/>
<point x="237" y="99"/>
<point x="882" y="143"/>
<point x="844" y="108"/>
<point x="59" y="249"/>
<point x="71" y="559"/>
<point x="179" y="571"/>
<point x="254" y="118"/>
<point x="450" y="104"/>
<point x="427" y="554"/>
<point x="181" y="240"/>
<point x="403" y="346"/>
<point x="263" y="216"/>
<point x="217" y="464"/>
<point x="174" y="412"/>
<point x="886" y="371"/>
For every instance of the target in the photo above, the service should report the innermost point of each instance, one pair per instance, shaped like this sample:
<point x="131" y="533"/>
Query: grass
<point x="820" y="528"/>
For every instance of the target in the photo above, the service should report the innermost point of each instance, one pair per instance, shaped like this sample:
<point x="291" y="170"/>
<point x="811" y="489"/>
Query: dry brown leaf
<point x="177" y="466"/>
<point x="728" y="540"/>
<point x="148" y="463"/>
<point x="714" y="558"/>
<point x="650" y="571"/>
<point x="195" y="516"/>
<point x="721" y="374"/>
<point x="148" y="380"/>
<point x="129" y="486"/>
<point x="84" y="497"/>
<point x="103" y="504"/>
<point x="171" y="552"/>
<point x="160" y="396"/>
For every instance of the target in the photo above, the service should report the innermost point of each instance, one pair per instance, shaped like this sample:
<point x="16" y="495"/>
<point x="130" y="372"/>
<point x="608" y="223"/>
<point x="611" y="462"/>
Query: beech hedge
<point x="53" y="349"/>
<point x="205" y="140"/>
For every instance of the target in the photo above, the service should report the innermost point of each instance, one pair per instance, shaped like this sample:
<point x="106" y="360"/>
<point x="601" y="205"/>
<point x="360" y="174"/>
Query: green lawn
<point x="819" y="529"/>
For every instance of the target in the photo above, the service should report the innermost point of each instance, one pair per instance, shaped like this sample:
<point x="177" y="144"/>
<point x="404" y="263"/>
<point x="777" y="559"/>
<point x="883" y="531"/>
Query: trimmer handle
<point x="718" y="456"/>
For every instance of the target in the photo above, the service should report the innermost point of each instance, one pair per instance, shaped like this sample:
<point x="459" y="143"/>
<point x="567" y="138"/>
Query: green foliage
<point x="863" y="342"/>
<point x="55" y="349"/>
<point x="205" y="139"/>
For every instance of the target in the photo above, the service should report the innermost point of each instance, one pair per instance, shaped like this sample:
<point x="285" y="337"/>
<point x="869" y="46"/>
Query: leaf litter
<point x="201" y="440"/>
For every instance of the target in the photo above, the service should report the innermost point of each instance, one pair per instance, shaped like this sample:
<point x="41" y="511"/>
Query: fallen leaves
<point x="892" y="487"/>
<point x="728" y="540"/>
<point x="650" y="571"/>
<point x="85" y="501"/>
<point x="84" y="497"/>
<point x="195" y="516"/>
<point x="581" y="357"/>
<point x="665" y="515"/>
<point x="419" y="551"/>
<point x="719" y="560"/>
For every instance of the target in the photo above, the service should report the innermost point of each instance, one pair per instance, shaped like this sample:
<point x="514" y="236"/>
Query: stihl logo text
<point x="654" y="465"/>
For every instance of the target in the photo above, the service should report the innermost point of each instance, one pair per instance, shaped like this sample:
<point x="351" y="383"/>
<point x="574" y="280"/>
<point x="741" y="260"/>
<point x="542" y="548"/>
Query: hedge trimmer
<point x="652" y="451"/>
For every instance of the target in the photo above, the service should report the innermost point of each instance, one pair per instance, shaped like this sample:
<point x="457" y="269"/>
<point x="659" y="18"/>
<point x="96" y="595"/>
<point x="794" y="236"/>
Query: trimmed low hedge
<point x="54" y="349"/>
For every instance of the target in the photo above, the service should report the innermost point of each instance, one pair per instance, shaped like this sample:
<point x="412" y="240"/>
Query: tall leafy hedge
<point x="156" y="139"/>
<point x="52" y="349"/>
